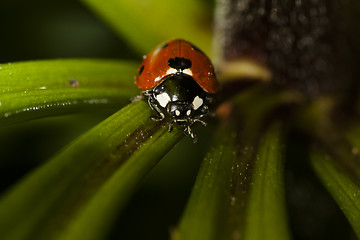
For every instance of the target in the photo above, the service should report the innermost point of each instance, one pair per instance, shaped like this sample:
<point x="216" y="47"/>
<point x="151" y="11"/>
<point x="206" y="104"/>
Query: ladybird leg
<point x="156" y="109"/>
<point x="147" y="93"/>
<point x="152" y="103"/>
<point x="171" y="126"/>
<point x="200" y="121"/>
<point x="188" y="131"/>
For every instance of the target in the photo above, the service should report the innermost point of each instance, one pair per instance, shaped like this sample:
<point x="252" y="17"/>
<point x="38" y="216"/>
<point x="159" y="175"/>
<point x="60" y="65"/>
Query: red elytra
<point x="154" y="68"/>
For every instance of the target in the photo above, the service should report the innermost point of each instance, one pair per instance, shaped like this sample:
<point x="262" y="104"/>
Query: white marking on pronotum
<point x="163" y="99"/>
<point x="157" y="79"/>
<point x="188" y="112"/>
<point x="177" y="112"/>
<point x="171" y="71"/>
<point x="197" y="102"/>
<point x="187" y="71"/>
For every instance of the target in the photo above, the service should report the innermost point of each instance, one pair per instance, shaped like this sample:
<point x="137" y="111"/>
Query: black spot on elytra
<point x="141" y="70"/>
<point x="197" y="49"/>
<point x="179" y="63"/>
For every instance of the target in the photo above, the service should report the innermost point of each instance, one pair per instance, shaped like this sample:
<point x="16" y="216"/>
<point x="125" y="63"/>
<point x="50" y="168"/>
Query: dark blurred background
<point x="39" y="29"/>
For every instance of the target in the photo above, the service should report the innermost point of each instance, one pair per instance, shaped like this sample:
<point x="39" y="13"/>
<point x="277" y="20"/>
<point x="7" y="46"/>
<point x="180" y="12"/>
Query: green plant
<point x="239" y="192"/>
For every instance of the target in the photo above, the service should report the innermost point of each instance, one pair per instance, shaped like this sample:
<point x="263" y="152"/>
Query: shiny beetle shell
<point x="161" y="62"/>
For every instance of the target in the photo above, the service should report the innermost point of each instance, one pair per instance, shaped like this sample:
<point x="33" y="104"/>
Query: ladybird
<point x="179" y="82"/>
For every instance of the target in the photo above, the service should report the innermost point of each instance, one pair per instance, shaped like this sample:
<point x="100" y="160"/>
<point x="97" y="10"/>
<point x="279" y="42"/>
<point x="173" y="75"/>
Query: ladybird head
<point x="180" y="111"/>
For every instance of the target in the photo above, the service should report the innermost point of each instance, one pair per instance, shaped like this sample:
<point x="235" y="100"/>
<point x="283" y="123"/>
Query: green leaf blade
<point x="115" y="193"/>
<point x="343" y="189"/>
<point x="266" y="214"/>
<point x="40" y="88"/>
<point x="53" y="195"/>
<point x="206" y="207"/>
<point x="239" y="191"/>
